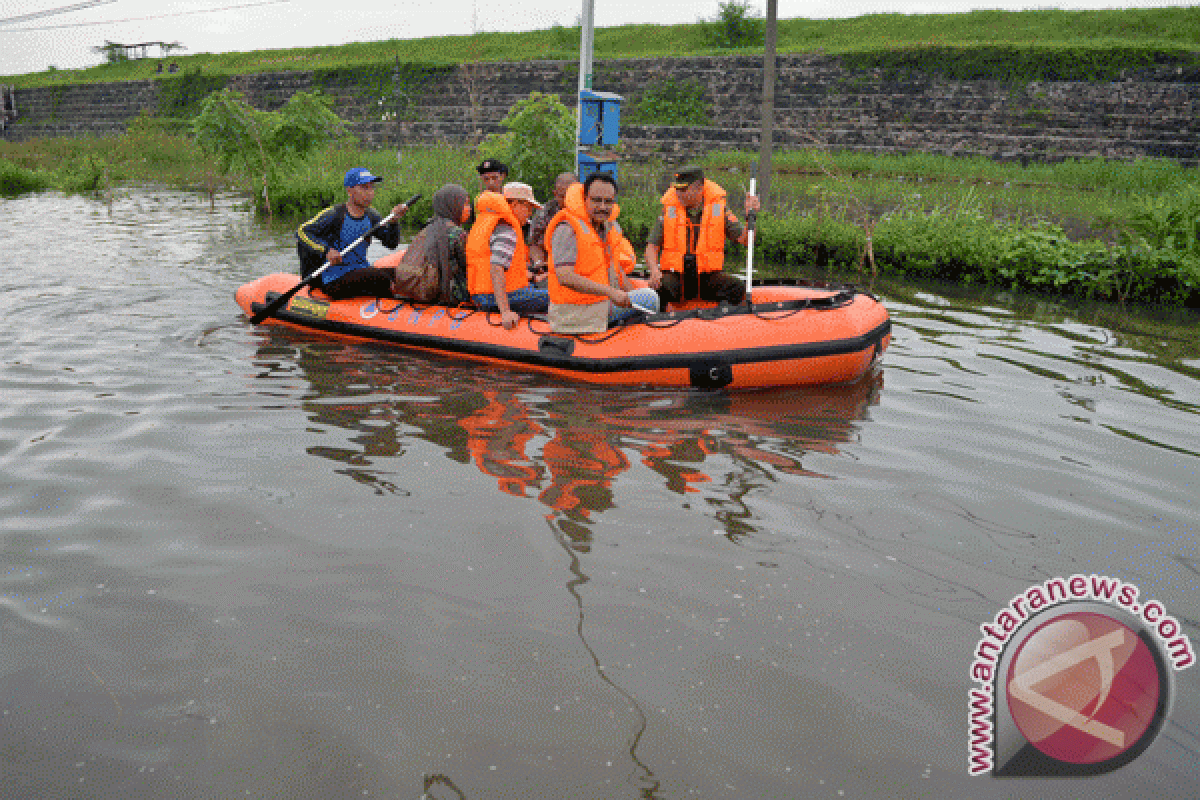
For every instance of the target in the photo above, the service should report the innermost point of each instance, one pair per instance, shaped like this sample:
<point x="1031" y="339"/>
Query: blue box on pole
<point x="589" y="164"/>
<point x="601" y="117"/>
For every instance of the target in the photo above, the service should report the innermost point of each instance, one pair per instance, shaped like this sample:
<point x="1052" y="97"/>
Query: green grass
<point x="149" y="152"/>
<point x="1088" y="196"/>
<point x="968" y="41"/>
<point x="1091" y="230"/>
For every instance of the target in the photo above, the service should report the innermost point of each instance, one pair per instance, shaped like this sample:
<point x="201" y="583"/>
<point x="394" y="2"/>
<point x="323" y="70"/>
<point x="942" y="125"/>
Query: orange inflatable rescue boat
<point x="792" y="335"/>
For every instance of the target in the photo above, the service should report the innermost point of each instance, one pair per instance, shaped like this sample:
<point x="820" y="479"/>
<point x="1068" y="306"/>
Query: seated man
<point x="690" y="238"/>
<point x="588" y="287"/>
<point x="497" y="257"/>
<point x="322" y="238"/>
<point x="492" y="175"/>
<point x="540" y="220"/>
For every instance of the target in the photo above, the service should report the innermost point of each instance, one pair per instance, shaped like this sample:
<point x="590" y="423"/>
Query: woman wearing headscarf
<point x="434" y="267"/>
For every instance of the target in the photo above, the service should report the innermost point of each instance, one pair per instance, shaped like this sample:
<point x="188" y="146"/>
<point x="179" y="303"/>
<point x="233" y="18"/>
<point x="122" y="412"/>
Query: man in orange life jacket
<point x="588" y="286"/>
<point x="686" y="247"/>
<point x="498" y="258"/>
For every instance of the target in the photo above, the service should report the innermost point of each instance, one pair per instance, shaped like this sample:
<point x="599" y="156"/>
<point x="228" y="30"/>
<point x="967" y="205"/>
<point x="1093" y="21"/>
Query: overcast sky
<point x="36" y="34"/>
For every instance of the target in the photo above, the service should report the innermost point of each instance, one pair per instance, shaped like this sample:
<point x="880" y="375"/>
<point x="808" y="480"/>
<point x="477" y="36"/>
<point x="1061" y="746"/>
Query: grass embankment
<point x="1124" y="232"/>
<point x="1008" y="46"/>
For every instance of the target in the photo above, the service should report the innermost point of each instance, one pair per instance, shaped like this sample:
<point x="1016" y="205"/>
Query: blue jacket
<point x="324" y="231"/>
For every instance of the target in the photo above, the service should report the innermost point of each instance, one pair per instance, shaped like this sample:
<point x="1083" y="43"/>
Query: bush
<point x="539" y="142"/>
<point x="258" y="144"/>
<point x="797" y="241"/>
<point x="180" y="95"/>
<point x="971" y="248"/>
<point x="1170" y="221"/>
<point x="87" y="174"/>
<point x="670" y="102"/>
<point x="735" y="25"/>
<point x="15" y="179"/>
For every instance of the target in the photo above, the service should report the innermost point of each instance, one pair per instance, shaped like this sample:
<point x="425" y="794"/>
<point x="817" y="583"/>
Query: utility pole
<point x="767" y="137"/>
<point x="586" y="45"/>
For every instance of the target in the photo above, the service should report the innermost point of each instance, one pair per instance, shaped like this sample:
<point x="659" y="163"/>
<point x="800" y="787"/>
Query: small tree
<point x="113" y="52"/>
<point x="735" y="25"/>
<point x="539" y="142"/>
<point x="260" y="143"/>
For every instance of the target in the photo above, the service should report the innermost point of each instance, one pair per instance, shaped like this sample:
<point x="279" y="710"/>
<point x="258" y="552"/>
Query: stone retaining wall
<point x="1153" y="112"/>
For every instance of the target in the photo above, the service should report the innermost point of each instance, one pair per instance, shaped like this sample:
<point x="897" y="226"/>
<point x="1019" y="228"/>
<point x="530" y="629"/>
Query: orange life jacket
<point x="490" y="209"/>
<point x="593" y="254"/>
<point x="626" y="258"/>
<point x="710" y="243"/>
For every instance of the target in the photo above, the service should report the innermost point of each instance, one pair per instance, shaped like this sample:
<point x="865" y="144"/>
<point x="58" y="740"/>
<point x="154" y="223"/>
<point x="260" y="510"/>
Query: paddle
<point x="751" y="216"/>
<point x="281" y="301"/>
<point x="646" y="309"/>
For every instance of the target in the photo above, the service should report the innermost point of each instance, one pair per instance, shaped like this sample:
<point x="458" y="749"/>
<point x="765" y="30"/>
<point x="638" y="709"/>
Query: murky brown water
<point x="245" y="562"/>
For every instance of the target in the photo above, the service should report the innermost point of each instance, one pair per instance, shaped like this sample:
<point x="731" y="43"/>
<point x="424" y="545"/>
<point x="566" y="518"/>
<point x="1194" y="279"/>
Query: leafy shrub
<point x="539" y="142"/>
<point x="1169" y="222"/>
<point x="803" y="240"/>
<point x="967" y="246"/>
<point x="670" y="102"/>
<point x="258" y="144"/>
<point x="736" y="24"/>
<point x="180" y="95"/>
<point x="638" y="214"/>
<point x="86" y="174"/>
<point x="15" y="179"/>
<point x="1037" y="257"/>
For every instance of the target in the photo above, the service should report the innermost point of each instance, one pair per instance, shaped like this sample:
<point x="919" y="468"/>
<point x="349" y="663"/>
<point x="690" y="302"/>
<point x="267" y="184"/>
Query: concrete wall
<point x="1153" y="112"/>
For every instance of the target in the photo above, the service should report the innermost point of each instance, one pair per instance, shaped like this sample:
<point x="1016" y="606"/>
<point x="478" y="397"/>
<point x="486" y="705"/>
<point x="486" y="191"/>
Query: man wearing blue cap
<point x="325" y="237"/>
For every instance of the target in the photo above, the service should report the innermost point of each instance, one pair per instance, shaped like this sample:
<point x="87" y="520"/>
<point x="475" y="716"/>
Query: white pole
<point x="585" y="71"/>
<point x="750" y="246"/>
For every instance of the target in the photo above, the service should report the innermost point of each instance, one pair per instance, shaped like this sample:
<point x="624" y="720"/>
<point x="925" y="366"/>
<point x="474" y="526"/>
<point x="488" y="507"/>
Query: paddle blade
<point x="281" y="301"/>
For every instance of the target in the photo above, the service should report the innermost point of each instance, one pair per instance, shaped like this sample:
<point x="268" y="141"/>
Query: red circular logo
<point x="1084" y="688"/>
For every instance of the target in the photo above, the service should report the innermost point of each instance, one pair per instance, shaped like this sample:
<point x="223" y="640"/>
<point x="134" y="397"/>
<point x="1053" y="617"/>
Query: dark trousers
<point x="362" y="282"/>
<point x="712" y="287"/>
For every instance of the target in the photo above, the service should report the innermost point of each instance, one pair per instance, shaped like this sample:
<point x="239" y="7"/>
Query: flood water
<point x="239" y="561"/>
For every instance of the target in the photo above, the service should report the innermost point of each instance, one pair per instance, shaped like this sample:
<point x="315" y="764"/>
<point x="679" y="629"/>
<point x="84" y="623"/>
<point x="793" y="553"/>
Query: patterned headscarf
<point x="432" y="244"/>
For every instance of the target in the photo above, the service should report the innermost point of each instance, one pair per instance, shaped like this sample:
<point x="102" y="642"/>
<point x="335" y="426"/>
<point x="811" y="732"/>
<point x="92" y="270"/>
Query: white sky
<point x="66" y="39"/>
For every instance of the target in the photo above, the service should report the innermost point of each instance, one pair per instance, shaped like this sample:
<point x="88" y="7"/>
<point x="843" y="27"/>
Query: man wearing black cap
<point x="686" y="247"/>
<point x="492" y="174"/>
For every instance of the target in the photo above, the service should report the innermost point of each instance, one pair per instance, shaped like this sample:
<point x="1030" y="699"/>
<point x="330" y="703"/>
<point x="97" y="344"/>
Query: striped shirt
<point x="503" y="245"/>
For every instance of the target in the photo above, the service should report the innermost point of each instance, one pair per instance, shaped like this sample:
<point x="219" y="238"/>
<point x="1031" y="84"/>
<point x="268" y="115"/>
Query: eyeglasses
<point x="602" y="201"/>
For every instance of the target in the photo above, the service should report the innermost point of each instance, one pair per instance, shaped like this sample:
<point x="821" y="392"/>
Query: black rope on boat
<point x="400" y="303"/>
<point x="468" y="313"/>
<point x="604" y="337"/>
<point x="661" y="320"/>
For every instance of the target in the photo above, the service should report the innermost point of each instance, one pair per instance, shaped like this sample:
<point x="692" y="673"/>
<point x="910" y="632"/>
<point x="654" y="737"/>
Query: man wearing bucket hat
<point x="498" y="258"/>
<point x="686" y="248"/>
<point x="325" y="237"/>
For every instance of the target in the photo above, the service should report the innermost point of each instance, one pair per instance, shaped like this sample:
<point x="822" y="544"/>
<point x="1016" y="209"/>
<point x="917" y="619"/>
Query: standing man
<point x="324" y="237"/>
<point x="686" y="249"/>
<point x="588" y="288"/>
<point x="492" y="174"/>
<point x="498" y="258"/>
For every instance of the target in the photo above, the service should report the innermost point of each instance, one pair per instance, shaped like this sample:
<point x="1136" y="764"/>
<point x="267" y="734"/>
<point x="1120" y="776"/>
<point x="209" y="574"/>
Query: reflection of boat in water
<point x="568" y="448"/>
<point x="793" y="336"/>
